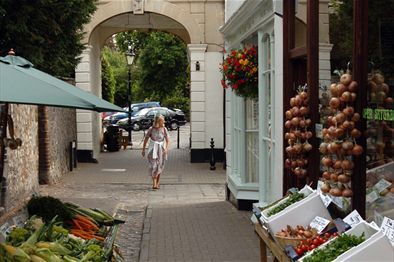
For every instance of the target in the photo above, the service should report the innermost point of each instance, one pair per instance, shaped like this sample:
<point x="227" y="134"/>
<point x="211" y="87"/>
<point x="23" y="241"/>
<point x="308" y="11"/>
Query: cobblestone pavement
<point x="187" y="219"/>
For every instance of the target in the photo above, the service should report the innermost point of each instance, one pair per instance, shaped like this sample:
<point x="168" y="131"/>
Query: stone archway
<point x="197" y="23"/>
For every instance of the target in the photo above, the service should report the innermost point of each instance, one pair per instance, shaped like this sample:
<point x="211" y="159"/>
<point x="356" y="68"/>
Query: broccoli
<point x="17" y="236"/>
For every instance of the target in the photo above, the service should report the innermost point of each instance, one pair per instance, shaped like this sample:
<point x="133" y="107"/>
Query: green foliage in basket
<point x="293" y="198"/>
<point x="335" y="248"/>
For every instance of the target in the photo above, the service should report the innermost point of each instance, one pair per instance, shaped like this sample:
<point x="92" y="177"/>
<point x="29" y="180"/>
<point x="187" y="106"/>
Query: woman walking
<point x="158" y="149"/>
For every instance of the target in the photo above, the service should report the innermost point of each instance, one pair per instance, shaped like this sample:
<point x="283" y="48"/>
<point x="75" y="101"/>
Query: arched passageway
<point x="197" y="23"/>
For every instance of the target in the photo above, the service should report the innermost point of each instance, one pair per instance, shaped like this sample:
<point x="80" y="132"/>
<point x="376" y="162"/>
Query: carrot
<point x="98" y="238"/>
<point x="86" y="225"/>
<point x="86" y="219"/>
<point x="76" y="224"/>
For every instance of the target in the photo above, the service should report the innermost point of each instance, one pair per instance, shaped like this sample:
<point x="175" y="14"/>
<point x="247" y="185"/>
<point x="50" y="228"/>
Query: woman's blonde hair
<point x="156" y="122"/>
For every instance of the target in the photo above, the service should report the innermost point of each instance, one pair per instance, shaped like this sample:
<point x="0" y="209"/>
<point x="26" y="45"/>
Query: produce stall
<point x="47" y="229"/>
<point x="299" y="227"/>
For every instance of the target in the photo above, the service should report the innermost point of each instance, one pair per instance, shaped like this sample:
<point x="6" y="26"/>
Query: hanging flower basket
<point x="240" y="71"/>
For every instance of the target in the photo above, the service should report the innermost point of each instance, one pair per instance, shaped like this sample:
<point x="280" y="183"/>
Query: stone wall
<point x="21" y="168"/>
<point x="62" y="129"/>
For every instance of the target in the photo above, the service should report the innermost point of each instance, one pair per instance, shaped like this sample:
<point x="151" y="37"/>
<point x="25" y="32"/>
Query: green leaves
<point x="46" y="32"/>
<point x="293" y="198"/>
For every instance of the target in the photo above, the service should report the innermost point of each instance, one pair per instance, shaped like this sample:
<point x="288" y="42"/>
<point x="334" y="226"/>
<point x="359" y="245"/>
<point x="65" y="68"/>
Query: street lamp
<point x="130" y="55"/>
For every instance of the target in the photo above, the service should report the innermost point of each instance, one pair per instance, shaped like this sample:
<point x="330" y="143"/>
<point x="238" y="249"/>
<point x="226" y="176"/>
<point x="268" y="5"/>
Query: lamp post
<point x="130" y="55"/>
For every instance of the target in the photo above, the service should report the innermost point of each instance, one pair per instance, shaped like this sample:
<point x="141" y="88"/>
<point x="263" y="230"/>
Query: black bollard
<point x="212" y="160"/>
<point x="177" y="139"/>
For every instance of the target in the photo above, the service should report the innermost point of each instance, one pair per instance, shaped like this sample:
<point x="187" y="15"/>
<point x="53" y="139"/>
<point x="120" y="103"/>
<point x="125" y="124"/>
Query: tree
<point x="108" y="82"/>
<point x="46" y="32"/>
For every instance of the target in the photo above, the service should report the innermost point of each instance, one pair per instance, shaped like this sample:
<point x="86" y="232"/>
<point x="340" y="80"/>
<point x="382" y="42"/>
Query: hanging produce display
<point x="339" y="138"/>
<point x="298" y="133"/>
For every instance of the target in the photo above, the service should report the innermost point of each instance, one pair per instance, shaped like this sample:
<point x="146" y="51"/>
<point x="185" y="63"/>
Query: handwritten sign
<point x="353" y="218"/>
<point x="319" y="223"/>
<point x="326" y="199"/>
<point x="388" y="228"/>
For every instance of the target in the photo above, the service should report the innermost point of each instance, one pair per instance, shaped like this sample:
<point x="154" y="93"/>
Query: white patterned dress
<point x="156" y="154"/>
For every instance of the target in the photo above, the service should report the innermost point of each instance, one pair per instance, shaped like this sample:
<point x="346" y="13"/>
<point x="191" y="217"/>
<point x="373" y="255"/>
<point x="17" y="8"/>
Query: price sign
<point x="388" y="228"/>
<point x="382" y="185"/>
<point x="372" y="197"/>
<point x="326" y="199"/>
<point x="353" y="218"/>
<point x="5" y="229"/>
<point x="319" y="223"/>
<point x="319" y="130"/>
<point x="338" y="201"/>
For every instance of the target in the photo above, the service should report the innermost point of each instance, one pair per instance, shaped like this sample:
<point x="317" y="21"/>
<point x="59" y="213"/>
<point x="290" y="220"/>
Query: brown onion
<point x="345" y="79"/>
<point x="339" y="132"/>
<point x="341" y="89"/>
<point x="308" y="134"/>
<point x="378" y="78"/>
<point x="287" y="136"/>
<point x="334" y="89"/>
<point x="288" y="124"/>
<point x="297" y="148"/>
<point x="326" y="175"/>
<point x="348" y="111"/>
<point x="304" y="110"/>
<point x="353" y="96"/>
<point x="337" y="164"/>
<point x="335" y="102"/>
<point x="295" y="111"/>
<point x="323" y="148"/>
<point x="357" y="150"/>
<point x="347" y="165"/>
<point x="355" y="133"/>
<point x="295" y="121"/>
<point x="289" y="150"/>
<point x="288" y="115"/>
<point x="356" y="117"/>
<point x="347" y="193"/>
<point x="304" y="95"/>
<point x="292" y="101"/>
<point x="298" y="100"/>
<point x="334" y="177"/>
<point x="325" y="188"/>
<point x="287" y="163"/>
<point x="307" y="146"/>
<point x="346" y="124"/>
<point x="335" y="192"/>
<point x="385" y="88"/>
<point x="340" y="117"/>
<point x="353" y="86"/>
<point x="326" y="161"/>
<point x="346" y="96"/>
<point x="343" y="178"/>
<point x="347" y="145"/>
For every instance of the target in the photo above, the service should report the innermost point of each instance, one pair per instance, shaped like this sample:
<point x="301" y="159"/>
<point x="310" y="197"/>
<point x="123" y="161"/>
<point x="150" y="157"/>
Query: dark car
<point x="144" y="118"/>
<point x="135" y="108"/>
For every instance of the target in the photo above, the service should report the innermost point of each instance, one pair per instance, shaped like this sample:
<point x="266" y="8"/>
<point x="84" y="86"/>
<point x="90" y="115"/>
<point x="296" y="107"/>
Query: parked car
<point x="144" y="119"/>
<point x="114" y="118"/>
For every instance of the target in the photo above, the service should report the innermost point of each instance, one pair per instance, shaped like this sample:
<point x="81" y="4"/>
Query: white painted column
<point x="84" y="117"/>
<point x="197" y="95"/>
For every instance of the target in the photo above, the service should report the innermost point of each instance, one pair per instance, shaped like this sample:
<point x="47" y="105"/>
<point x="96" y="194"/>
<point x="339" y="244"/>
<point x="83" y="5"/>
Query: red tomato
<point x="335" y="234"/>
<point x="316" y="242"/>
<point x="313" y="247"/>
<point x="323" y="240"/>
<point x="309" y="241"/>
<point x="299" y="251"/>
<point x="304" y="248"/>
<point x="327" y="235"/>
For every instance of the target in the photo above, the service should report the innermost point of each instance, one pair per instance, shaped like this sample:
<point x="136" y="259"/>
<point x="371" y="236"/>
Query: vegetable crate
<point x="265" y="218"/>
<point x="376" y="246"/>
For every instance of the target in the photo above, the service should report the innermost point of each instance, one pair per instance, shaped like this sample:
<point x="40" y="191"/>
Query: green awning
<point x="20" y="83"/>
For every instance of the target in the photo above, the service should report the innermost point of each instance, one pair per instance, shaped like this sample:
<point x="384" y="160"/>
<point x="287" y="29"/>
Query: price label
<point x="388" y="228"/>
<point x="338" y="201"/>
<point x="353" y="218"/>
<point x="382" y="185"/>
<point x="372" y="197"/>
<point x="326" y="199"/>
<point x="319" y="223"/>
<point x="319" y="130"/>
<point x="5" y="229"/>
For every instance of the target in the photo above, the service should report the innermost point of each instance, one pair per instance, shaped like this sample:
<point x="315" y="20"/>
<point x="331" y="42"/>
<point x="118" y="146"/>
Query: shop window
<point x="252" y="144"/>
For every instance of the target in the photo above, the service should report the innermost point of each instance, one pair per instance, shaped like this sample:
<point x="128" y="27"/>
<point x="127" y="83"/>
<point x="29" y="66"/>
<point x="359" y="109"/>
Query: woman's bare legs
<point x="158" y="181"/>
<point x="154" y="182"/>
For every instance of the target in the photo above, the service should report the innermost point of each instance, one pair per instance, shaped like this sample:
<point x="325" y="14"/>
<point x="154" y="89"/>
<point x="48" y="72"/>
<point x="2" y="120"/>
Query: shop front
<point x="254" y="125"/>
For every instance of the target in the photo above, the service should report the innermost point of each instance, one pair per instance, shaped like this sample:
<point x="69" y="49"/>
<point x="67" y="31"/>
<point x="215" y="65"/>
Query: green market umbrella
<point x="21" y="83"/>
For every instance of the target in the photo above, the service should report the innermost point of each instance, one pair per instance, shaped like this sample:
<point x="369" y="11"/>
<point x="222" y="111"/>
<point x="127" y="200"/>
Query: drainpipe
<point x="43" y="145"/>
<point x="3" y="134"/>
